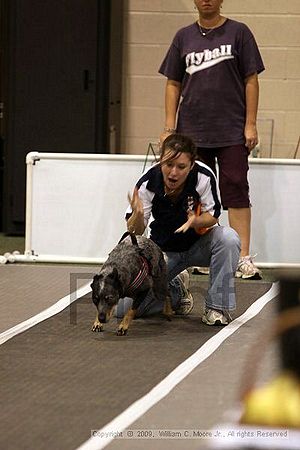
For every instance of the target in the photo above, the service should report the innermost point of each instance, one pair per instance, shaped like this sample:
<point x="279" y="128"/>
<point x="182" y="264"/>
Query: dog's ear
<point x="95" y="280"/>
<point x="114" y="274"/>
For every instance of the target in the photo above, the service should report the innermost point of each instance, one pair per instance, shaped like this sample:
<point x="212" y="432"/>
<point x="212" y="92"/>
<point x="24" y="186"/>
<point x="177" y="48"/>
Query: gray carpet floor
<point x="58" y="380"/>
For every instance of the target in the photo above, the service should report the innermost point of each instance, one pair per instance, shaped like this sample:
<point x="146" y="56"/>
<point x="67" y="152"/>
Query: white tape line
<point x="106" y="434"/>
<point x="49" y="312"/>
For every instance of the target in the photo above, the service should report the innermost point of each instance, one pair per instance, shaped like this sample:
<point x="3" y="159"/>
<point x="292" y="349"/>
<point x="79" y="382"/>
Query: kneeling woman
<point x="180" y="196"/>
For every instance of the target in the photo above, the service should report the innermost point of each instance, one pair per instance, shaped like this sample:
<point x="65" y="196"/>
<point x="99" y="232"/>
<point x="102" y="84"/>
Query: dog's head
<point x="105" y="293"/>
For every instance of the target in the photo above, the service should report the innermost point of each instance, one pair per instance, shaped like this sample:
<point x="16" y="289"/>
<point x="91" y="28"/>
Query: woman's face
<point x="175" y="171"/>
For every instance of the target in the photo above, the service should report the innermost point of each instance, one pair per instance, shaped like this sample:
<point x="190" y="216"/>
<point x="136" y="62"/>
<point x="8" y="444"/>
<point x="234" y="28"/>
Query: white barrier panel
<point x="75" y="207"/>
<point x="274" y="191"/>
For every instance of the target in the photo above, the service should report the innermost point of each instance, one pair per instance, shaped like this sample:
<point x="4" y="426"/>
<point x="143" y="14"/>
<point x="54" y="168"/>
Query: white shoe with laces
<point x="216" y="317"/>
<point x="247" y="269"/>
<point x="187" y="301"/>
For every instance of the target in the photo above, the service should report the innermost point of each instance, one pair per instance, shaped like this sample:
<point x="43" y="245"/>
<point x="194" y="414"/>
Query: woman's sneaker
<point x="186" y="303"/>
<point x="216" y="317"/>
<point x="246" y="269"/>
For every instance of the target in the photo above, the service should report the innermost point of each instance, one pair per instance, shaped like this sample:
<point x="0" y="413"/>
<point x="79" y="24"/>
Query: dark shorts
<point x="233" y="168"/>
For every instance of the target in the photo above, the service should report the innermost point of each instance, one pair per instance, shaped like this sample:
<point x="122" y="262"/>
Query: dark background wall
<point x="60" y="91"/>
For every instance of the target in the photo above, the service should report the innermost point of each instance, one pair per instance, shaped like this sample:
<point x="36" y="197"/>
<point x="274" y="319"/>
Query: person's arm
<point x="135" y="223"/>
<point x="172" y="96"/>
<point x="252" y="93"/>
<point x="206" y="214"/>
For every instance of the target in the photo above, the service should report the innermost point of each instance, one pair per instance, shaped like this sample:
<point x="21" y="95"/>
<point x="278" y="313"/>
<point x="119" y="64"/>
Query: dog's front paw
<point x="97" y="326"/>
<point x="121" y="331"/>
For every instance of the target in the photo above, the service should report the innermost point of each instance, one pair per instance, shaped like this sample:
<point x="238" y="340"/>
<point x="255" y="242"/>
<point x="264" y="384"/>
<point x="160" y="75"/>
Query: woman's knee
<point x="228" y="238"/>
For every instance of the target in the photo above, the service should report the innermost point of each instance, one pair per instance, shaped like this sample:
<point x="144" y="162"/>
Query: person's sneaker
<point x="216" y="317"/>
<point x="185" y="280"/>
<point x="186" y="302"/>
<point x="246" y="269"/>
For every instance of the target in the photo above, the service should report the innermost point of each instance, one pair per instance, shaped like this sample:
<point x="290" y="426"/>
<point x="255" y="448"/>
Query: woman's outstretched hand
<point x="190" y="223"/>
<point x="135" y="201"/>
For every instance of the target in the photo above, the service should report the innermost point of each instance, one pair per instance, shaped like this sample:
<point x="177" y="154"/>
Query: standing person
<point x="170" y="192"/>
<point x="212" y="89"/>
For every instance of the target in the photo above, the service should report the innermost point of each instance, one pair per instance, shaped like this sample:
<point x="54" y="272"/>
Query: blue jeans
<point x="219" y="249"/>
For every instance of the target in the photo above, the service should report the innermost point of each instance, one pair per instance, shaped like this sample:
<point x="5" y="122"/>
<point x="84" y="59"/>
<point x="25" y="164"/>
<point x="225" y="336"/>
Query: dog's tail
<point x="133" y="238"/>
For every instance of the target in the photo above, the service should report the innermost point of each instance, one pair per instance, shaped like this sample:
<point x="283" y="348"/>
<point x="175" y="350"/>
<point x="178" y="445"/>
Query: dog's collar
<point x="139" y="279"/>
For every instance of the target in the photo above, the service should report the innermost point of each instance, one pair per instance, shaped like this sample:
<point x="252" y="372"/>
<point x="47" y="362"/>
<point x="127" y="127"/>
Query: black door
<point x="55" y="89"/>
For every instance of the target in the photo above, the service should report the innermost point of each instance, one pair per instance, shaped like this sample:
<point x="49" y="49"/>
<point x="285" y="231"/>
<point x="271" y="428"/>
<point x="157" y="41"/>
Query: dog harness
<point x="140" y="278"/>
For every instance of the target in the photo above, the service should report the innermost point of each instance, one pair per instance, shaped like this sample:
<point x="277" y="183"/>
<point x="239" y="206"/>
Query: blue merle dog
<point x="134" y="268"/>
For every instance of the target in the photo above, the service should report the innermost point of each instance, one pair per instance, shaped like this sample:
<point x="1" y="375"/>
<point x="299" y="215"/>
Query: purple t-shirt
<point x="212" y="70"/>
